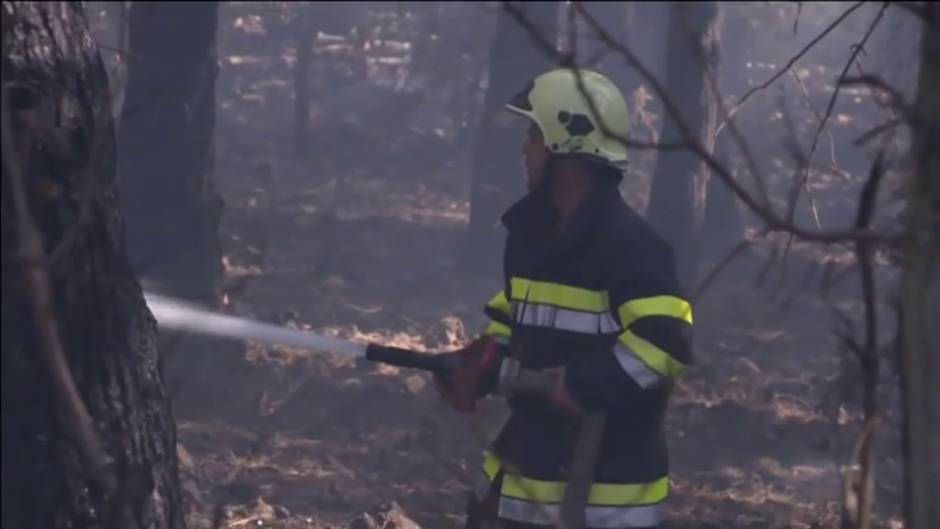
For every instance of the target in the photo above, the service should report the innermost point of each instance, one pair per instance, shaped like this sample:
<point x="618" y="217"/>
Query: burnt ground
<point x="359" y="241"/>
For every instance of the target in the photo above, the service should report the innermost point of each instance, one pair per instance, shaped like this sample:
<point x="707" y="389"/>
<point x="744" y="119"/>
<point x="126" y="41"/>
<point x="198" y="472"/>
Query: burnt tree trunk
<point x="920" y="292"/>
<point x="672" y="207"/>
<point x="497" y="178"/>
<point x="165" y="149"/>
<point x="80" y="378"/>
<point x="173" y="212"/>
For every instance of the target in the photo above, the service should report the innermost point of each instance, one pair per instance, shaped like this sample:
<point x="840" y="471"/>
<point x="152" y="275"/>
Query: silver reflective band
<point x="540" y="315"/>
<point x="636" y="368"/>
<point x="595" y="516"/>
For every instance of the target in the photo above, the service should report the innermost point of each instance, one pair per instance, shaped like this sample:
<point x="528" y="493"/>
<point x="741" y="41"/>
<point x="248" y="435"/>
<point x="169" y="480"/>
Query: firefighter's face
<point x="534" y="156"/>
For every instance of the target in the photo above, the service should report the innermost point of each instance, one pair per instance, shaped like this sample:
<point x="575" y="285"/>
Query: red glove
<point x="479" y="367"/>
<point x="562" y="398"/>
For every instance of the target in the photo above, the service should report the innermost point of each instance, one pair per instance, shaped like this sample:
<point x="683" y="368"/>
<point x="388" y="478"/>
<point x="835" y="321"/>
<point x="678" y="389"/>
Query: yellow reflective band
<point x="601" y="494"/>
<point x="654" y="357"/>
<point x="607" y="494"/>
<point x="491" y="465"/>
<point x="500" y="303"/>
<point x="559" y="295"/>
<point x="496" y="328"/>
<point x="655" y="306"/>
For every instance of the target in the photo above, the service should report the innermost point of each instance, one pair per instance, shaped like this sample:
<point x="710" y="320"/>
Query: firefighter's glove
<point x="475" y="373"/>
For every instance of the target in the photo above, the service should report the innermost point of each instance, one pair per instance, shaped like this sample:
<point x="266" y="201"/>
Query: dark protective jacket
<point x="602" y="300"/>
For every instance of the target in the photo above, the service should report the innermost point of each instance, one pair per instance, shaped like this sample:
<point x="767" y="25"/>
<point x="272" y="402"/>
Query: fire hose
<point x="173" y="314"/>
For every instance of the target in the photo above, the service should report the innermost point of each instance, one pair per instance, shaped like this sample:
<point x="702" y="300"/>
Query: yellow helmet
<point x="556" y="104"/>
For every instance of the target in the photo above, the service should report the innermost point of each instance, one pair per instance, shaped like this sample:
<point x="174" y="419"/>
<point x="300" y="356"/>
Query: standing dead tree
<point x="88" y="440"/>
<point x="674" y="202"/>
<point x="919" y="334"/>
<point x="166" y="162"/>
<point x="165" y="151"/>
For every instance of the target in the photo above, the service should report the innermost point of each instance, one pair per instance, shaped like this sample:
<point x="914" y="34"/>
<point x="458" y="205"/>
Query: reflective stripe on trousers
<point x="595" y="516"/>
<point x="610" y="505"/>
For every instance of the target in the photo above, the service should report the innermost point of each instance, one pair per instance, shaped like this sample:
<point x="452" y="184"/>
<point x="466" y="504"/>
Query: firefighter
<point x="591" y="294"/>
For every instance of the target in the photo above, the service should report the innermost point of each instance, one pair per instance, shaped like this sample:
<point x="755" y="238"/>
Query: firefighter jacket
<point x="601" y="299"/>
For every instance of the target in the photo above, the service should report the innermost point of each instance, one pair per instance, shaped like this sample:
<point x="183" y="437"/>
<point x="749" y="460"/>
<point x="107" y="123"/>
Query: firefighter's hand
<point x="477" y="363"/>
<point x="561" y="398"/>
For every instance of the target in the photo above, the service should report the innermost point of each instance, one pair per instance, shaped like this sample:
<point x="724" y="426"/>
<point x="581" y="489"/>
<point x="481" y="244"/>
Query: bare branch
<point x="797" y="57"/>
<point x="725" y="115"/>
<point x="876" y="131"/>
<point x="829" y="108"/>
<point x="566" y="59"/>
<point x="896" y="100"/>
<point x="772" y="221"/>
<point x="791" y="144"/>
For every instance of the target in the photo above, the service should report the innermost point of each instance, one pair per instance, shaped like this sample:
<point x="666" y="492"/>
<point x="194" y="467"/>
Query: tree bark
<point x="165" y="159"/>
<point x="920" y="292"/>
<point x="497" y="180"/>
<point x="80" y="383"/>
<point x="722" y="222"/>
<point x="165" y="151"/>
<point x="673" y="206"/>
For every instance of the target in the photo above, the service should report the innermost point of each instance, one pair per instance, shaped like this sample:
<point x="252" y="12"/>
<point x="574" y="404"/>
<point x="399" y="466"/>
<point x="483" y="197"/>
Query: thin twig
<point x="832" y="144"/>
<point x="725" y="261"/>
<point x="835" y="23"/>
<point x="727" y="119"/>
<point x="829" y="108"/>
<point x="876" y="131"/>
<point x="896" y="100"/>
<point x="772" y="221"/>
<point x="565" y="59"/>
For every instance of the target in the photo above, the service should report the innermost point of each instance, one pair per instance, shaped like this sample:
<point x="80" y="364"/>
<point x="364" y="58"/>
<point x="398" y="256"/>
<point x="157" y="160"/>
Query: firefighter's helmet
<point x="559" y="107"/>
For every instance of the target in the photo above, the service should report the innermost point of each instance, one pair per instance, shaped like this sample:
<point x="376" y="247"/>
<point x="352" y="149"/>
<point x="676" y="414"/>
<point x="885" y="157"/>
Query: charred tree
<point x="88" y="439"/>
<point x="165" y="160"/>
<point x="673" y="206"/>
<point x="919" y="338"/>
<point x="496" y="179"/>
<point x="165" y="151"/>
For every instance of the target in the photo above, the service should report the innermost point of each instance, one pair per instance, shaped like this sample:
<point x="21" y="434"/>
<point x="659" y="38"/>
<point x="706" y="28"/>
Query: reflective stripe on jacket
<point x="602" y="300"/>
